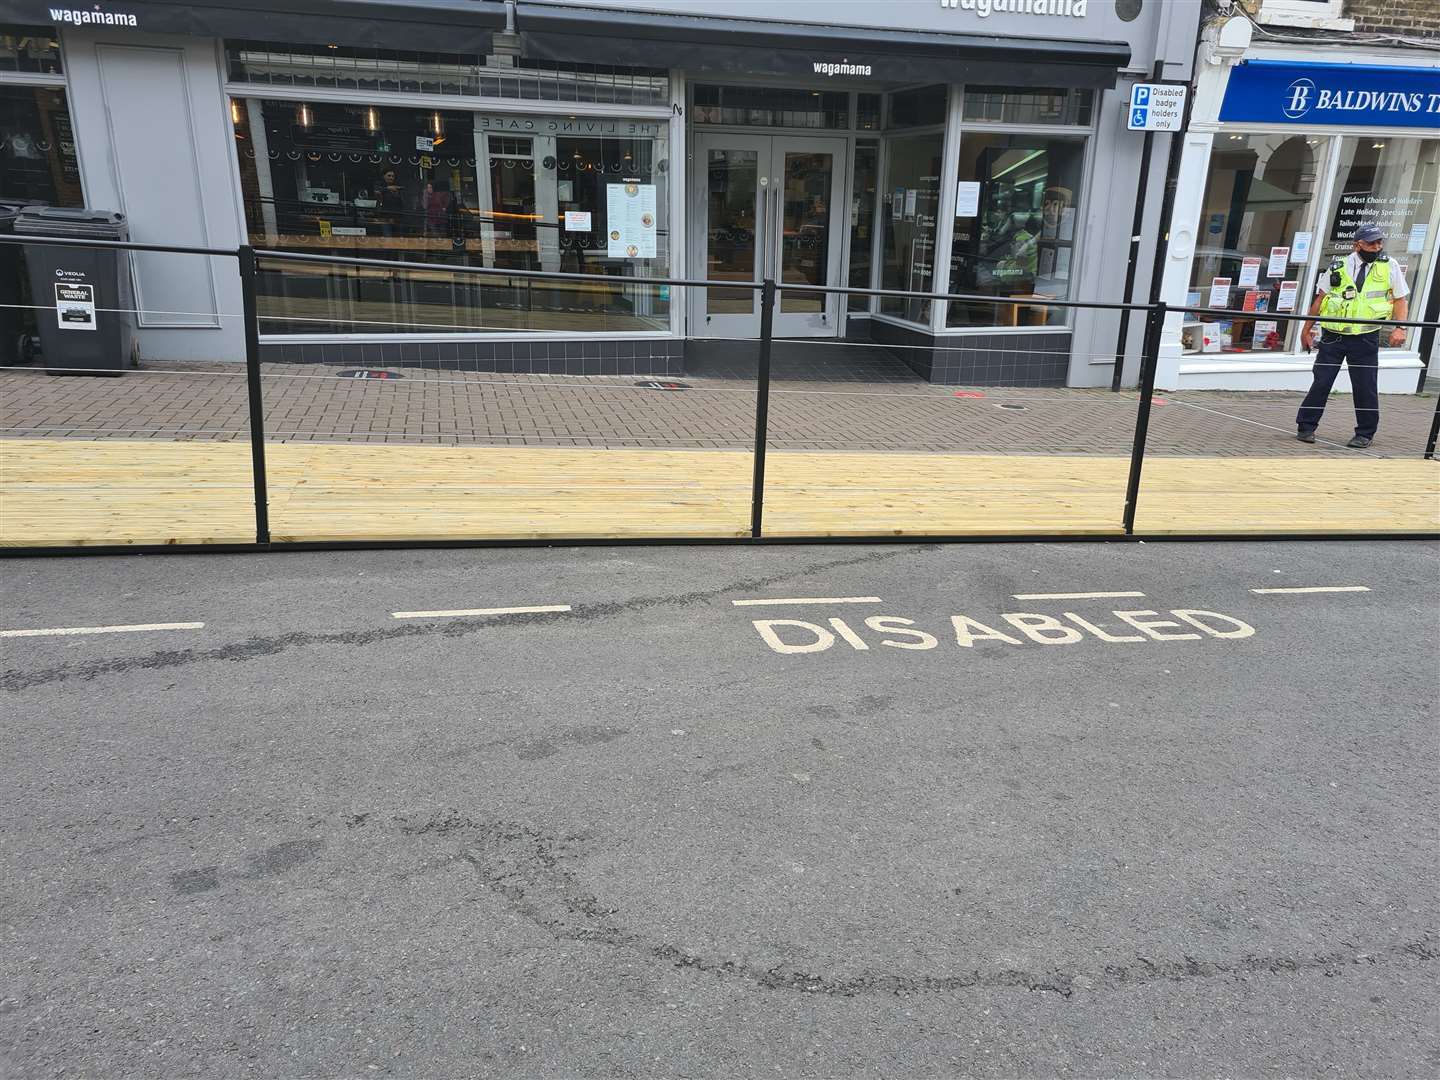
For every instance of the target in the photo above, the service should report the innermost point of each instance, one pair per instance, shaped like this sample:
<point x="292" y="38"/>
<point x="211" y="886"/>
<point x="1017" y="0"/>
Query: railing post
<point x="1434" y="428"/>
<point x="1149" y="361"/>
<point x="762" y="405"/>
<point x="256" y="398"/>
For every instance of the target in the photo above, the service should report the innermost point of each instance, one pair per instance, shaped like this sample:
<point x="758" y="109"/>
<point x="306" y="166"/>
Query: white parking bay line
<point x="1073" y="595"/>
<point x="1315" y="588"/>
<point x="809" y="600"/>
<point x="135" y="629"/>
<point x="464" y="612"/>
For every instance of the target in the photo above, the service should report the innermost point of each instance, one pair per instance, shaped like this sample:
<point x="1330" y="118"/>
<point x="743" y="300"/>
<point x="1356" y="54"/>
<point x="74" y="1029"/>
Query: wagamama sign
<point x="1075" y="9"/>
<point x="93" y="17"/>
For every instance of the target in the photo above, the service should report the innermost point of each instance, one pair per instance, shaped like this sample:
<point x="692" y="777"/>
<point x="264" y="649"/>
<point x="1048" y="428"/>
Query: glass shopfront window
<point x="771" y="106"/>
<point x="1256" y="242"/>
<point x="862" y="219"/>
<point x="345" y="67"/>
<point x="34" y="50"/>
<point x="455" y="188"/>
<point x="37" y="147"/>
<point x="1390" y="182"/>
<point x="909" y="206"/>
<point x="1015" y="227"/>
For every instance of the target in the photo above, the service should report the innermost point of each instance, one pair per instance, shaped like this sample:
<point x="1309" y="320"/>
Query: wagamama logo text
<point x="843" y="68"/>
<point x="97" y="17"/>
<point x="983" y="8"/>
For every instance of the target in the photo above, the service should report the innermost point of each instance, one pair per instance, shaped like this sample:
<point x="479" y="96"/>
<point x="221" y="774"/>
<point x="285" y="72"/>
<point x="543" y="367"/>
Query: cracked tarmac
<point x="631" y="840"/>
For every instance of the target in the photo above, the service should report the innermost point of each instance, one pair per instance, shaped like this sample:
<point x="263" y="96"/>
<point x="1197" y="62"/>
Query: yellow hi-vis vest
<point x="1344" y="299"/>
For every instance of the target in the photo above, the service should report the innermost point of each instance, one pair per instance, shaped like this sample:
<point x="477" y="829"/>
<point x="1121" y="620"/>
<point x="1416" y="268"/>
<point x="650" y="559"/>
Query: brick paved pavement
<point x="832" y="405"/>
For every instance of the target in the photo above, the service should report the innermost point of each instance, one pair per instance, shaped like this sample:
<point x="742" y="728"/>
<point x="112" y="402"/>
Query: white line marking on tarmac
<point x="1316" y="588"/>
<point x="465" y="612"/>
<point x="137" y="628"/>
<point x="1071" y="595"/>
<point x="810" y="600"/>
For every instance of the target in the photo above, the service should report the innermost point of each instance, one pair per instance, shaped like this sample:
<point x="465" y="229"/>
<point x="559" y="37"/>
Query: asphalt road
<point x="646" y="836"/>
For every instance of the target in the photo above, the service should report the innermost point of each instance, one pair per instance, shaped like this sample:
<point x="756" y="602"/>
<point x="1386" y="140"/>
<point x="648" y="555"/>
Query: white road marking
<point x="810" y="600"/>
<point x="136" y="628"/>
<point x="1316" y="588"/>
<point x="1072" y="595"/>
<point x="464" y="612"/>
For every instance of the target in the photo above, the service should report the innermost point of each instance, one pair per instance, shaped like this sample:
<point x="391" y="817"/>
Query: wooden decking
<point x="76" y="492"/>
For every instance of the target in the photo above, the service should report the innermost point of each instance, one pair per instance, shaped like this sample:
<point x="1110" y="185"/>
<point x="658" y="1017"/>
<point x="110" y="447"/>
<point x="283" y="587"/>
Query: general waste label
<point x="75" y="306"/>
<point x="1156" y="107"/>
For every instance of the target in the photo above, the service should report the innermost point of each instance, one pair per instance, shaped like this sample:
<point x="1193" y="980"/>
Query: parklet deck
<point x="70" y="492"/>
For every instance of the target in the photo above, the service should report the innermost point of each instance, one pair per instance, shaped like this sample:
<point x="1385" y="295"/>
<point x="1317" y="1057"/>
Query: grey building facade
<point x="968" y="146"/>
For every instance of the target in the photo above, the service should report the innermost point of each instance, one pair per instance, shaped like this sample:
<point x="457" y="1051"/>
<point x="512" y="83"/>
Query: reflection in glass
<point x="771" y="106"/>
<point x="452" y="188"/>
<point x="37" y="147"/>
<point x="910" y="202"/>
<point x="862" y="220"/>
<point x="1390" y="182"/>
<point x="730" y="224"/>
<point x="1260" y="193"/>
<point x="1015" y="236"/>
<point x="805" y="230"/>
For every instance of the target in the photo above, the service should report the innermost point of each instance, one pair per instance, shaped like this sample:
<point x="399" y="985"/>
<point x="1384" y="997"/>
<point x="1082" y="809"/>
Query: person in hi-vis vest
<point x="1366" y="284"/>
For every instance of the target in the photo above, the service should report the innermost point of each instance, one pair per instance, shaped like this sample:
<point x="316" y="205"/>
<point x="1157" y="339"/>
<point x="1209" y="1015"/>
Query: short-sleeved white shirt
<point x="1398" y="289"/>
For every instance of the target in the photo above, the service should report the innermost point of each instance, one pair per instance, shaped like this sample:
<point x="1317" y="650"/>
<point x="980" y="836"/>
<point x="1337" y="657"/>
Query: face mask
<point x="1368" y="257"/>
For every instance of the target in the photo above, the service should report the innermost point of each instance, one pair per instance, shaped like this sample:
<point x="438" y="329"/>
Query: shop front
<point x="1289" y="153"/>
<point x="917" y="146"/>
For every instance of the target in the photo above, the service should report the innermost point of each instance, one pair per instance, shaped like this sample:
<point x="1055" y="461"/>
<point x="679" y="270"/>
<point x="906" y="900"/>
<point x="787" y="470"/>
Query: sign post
<point x="1153" y="106"/>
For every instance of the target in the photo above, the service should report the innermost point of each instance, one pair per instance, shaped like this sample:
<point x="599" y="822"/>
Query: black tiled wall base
<point x="598" y="356"/>
<point x="998" y="359"/>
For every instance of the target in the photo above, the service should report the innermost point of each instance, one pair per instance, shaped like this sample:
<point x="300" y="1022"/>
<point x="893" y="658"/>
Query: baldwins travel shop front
<point x="918" y="145"/>
<point x="1292" y="147"/>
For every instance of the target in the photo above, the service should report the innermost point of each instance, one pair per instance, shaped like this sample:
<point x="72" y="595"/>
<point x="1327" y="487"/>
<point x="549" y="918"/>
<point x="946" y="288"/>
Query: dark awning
<point x="799" y="50"/>
<point x="443" y="26"/>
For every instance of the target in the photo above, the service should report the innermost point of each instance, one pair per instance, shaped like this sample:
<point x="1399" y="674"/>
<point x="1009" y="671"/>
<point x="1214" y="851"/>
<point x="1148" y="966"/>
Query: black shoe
<point x="1359" y="442"/>
<point x="1306" y="434"/>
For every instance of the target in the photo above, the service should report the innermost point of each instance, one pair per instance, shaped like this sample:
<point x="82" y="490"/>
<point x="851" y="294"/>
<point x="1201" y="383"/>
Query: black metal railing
<point x="249" y="259"/>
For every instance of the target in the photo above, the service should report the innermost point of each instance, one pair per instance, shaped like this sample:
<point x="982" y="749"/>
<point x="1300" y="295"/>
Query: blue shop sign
<point x="1332" y="95"/>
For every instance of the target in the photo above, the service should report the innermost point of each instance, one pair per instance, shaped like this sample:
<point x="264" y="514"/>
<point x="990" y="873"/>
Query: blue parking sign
<point x="1137" y="117"/>
<point x="1141" y="95"/>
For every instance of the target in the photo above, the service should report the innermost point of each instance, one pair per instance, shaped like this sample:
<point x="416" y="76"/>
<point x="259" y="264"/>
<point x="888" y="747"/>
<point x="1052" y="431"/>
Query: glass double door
<point x="768" y="209"/>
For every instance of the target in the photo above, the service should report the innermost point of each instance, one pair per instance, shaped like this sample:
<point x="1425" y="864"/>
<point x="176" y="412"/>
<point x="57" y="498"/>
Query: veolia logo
<point x="1299" y="96"/>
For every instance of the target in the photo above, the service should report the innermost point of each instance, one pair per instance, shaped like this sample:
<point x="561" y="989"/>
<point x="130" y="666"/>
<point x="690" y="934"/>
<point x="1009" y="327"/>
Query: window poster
<point x="1220" y="292"/>
<point x="1279" y="260"/>
<point x="911" y="196"/>
<point x="1416" y="241"/>
<point x="1249" y="272"/>
<point x="577" y="221"/>
<point x="1300" y="247"/>
<point x="630" y="214"/>
<point x="967" y="199"/>
<point x="1267" y="334"/>
<point x="1286" y="300"/>
<point x="1067" y="223"/>
<point x="1256" y="300"/>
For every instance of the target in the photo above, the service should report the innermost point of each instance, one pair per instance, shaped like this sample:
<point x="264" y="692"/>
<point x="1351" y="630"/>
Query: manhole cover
<point x="367" y="373"/>
<point x="1015" y="408"/>
<point x="655" y="384"/>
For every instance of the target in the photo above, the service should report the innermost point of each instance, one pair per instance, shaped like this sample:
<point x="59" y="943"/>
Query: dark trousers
<point x="1362" y="353"/>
